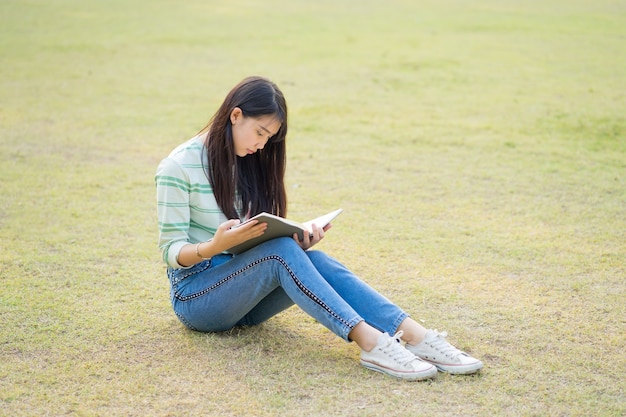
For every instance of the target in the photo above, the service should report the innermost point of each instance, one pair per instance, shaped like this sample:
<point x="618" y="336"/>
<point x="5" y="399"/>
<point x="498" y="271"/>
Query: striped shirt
<point x="186" y="207"/>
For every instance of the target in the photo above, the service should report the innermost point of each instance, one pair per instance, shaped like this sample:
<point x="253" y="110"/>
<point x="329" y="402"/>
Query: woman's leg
<point x="413" y="332"/>
<point x="375" y="309"/>
<point x="362" y="334"/>
<point x="274" y="303"/>
<point x="218" y="297"/>
<point x="219" y="294"/>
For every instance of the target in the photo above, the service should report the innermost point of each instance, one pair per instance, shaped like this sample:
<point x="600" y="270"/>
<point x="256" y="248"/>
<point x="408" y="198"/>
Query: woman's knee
<point x="319" y="258"/>
<point x="281" y="246"/>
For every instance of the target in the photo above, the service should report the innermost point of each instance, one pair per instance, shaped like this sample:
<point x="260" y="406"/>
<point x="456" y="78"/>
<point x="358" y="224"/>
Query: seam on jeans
<point x="292" y="274"/>
<point x="185" y="322"/>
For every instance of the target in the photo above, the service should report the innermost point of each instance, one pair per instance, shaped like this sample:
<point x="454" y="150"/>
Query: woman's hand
<point x="227" y="235"/>
<point x="225" y="238"/>
<point x="309" y="241"/>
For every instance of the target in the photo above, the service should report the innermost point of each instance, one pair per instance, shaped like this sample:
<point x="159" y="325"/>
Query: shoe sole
<point x="459" y="369"/>
<point x="409" y="376"/>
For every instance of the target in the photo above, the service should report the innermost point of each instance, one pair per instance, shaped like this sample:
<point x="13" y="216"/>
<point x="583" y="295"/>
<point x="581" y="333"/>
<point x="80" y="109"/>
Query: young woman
<point x="232" y="170"/>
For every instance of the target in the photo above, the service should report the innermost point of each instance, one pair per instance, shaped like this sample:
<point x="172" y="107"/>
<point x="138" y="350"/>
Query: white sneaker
<point x="391" y="358"/>
<point x="436" y="350"/>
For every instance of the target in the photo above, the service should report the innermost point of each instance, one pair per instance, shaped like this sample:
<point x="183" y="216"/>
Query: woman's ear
<point x="235" y="115"/>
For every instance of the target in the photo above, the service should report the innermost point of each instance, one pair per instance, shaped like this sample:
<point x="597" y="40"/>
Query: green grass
<point x="477" y="148"/>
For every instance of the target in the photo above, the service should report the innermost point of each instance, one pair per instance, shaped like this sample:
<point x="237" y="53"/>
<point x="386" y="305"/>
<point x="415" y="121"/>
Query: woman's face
<point x="252" y="133"/>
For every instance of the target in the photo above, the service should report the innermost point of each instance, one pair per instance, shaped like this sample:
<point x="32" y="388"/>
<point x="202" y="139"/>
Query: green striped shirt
<point x="186" y="208"/>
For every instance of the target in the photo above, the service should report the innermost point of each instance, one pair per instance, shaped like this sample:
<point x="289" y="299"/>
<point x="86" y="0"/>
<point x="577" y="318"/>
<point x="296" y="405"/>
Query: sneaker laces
<point x="440" y="344"/>
<point x="396" y="351"/>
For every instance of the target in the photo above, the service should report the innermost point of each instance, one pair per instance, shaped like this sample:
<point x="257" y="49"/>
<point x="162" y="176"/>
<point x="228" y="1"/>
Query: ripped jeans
<point x="247" y="289"/>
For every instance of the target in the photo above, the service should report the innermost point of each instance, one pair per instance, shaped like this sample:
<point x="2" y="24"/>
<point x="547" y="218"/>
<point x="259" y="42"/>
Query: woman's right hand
<point x="232" y="232"/>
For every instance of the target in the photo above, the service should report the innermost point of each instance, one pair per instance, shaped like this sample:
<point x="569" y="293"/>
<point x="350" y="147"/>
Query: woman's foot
<point x="436" y="350"/>
<point x="391" y="358"/>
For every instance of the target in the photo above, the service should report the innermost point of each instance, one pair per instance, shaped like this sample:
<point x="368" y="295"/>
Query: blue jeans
<point x="247" y="289"/>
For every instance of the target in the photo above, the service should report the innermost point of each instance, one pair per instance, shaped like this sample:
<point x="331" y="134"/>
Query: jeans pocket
<point x="176" y="275"/>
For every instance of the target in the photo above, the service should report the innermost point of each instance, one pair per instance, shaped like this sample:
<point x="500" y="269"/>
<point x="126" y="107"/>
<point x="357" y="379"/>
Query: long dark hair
<point x="255" y="183"/>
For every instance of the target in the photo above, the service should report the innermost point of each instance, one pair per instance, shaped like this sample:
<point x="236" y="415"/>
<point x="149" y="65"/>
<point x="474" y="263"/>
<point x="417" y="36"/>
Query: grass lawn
<point x="477" y="148"/>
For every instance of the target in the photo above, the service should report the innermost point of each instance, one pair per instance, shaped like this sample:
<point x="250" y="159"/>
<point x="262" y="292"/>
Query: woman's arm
<point x="225" y="238"/>
<point x="174" y="214"/>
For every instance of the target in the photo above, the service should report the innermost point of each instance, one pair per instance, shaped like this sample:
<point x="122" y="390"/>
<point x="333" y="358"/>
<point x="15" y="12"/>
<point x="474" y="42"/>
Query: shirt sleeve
<point x="173" y="188"/>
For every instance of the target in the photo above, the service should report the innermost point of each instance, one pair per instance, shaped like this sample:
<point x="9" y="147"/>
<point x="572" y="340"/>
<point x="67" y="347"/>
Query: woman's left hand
<point x="309" y="241"/>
